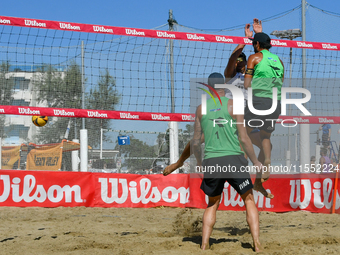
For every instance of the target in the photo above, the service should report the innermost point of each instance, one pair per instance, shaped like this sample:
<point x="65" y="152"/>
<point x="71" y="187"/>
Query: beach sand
<point x="164" y="230"/>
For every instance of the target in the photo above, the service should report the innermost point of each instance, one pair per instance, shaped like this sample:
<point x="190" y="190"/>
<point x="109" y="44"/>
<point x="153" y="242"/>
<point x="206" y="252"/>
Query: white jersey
<point x="238" y="81"/>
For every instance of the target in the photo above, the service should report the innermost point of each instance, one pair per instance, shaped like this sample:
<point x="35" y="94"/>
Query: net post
<point x="83" y="150"/>
<point x="317" y="153"/>
<point x="304" y="144"/>
<point x="173" y="137"/>
<point x="304" y="128"/>
<point x="75" y="157"/>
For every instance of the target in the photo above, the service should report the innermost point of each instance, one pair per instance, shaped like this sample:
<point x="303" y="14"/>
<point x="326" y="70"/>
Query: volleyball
<point x="39" y="121"/>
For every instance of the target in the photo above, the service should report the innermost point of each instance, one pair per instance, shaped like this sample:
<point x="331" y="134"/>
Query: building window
<point x="20" y="102"/>
<point x="17" y="130"/>
<point x="20" y="83"/>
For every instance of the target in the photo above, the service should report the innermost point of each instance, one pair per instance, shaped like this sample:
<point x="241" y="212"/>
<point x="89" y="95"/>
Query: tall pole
<point x="304" y="128"/>
<point x="82" y="81"/>
<point x="288" y="155"/>
<point x="173" y="126"/>
<point x="172" y="78"/>
<point x="83" y="131"/>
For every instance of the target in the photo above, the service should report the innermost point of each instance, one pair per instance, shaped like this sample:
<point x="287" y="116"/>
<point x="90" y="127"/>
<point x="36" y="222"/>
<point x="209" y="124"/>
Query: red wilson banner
<point x="152" y="116"/>
<point x="78" y="27"/>
<point x="310" y="192"/>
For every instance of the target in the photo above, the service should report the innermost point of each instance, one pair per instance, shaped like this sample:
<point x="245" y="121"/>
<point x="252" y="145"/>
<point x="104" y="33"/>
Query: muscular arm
<point x="184" y="156"/>
<point x="248" y="76"/>
<point x="196" y="141"/>
<point x="230" y="70"/>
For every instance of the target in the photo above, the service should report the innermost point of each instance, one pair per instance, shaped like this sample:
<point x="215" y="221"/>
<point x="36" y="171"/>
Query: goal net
<point x="117" y="81"/>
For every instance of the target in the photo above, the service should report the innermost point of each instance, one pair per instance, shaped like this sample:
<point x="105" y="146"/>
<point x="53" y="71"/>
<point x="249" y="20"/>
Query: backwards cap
<point x="261" y="37"/>
<point x="215" y="78"/>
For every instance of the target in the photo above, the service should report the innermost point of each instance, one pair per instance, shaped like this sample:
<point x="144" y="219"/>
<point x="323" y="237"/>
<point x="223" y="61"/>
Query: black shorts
<point x="325" y="141"/>
<point x="213" y="183"/>
<point x="262" y="103"/>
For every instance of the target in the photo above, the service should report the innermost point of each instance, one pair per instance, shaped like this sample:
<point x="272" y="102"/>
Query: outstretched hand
<point x="257" y="26"/>
<point x="169" y="169"/>
<point x="247" y="31"/>
<point x="258" y="166"/>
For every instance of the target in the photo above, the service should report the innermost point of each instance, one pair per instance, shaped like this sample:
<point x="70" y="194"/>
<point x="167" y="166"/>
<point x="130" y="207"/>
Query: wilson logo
<point x="320" y="195"/>
<point x="29" y="191"/>
<point x="195" y="37"/>
<point x="68" y="26"/>
<point x="63" y="113"/>
<point x="5" y="21"/>
<point x="223" y="39"/>
<point x="128" y="116"/>
<point x="114" y="190"/>
<point x="133" y="32"/>
<point x="188" y="117"/>
<point x="230" y="197"/>
<point x="303" y="44"/>
<point x="159" y="117"/>
<point x="277" y="43"/>
<point x="329" y="46"/>
<point x="96" y="114"/>
<point x="165" y="35"/>
<point x="102" y="29"/>
<point x="28" y="111"/>
<point x="34" y="23"/>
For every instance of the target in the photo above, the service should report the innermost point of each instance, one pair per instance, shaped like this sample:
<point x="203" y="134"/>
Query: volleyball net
<point x="131" y="82"/>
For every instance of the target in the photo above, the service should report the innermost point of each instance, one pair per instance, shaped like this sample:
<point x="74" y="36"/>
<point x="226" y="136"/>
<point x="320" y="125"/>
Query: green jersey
<point x="220" y="136"/>
<point x="268" y="74"/>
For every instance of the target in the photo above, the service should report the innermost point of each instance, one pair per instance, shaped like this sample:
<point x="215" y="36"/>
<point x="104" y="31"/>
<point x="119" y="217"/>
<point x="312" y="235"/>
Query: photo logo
<point x="238" y="100"/>
<point x="204" y="98"/>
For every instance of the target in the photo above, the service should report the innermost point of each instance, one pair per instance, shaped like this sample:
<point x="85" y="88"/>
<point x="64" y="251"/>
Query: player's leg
<point x="267" y="150"/>
<point x="209" y="219"/>
<point x="252" y="217"/>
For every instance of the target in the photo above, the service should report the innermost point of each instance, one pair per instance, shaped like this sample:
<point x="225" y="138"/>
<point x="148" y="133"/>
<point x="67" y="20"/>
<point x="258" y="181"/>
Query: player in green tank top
<point x="224" y="140"/>
<point x="265" y="71"/>
<point x="222" y="148"/>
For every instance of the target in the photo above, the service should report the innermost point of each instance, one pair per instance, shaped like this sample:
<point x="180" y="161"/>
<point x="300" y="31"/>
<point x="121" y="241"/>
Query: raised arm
<point x="230" y="70"/>
<point x="257" y="26"/>
<point x="250" y="71"/>
<point x="196" y="141"/>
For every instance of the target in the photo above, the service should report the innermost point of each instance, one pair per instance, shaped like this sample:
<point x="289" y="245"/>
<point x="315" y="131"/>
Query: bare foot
<point x="258" y="247"/>
<point x="265" y="171"/>
<point x="169" y="169"/>
<point x="258" y="187"/>
<point x="205" y="246"/>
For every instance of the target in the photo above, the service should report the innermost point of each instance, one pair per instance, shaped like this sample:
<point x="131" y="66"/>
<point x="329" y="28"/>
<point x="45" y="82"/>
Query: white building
<point x="19" y="128"/>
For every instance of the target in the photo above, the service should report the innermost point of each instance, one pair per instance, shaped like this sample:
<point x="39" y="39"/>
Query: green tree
<point x="6" y="92"/>
<point x="64" y="90"/>
<point x="103" y="97"/>
<point x="184" y="136"/>
<point x="58" y="90"/>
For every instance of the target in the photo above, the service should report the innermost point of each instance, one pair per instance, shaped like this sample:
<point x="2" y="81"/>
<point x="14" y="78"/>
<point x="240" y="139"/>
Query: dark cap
<point x="215" y="78"/>
<point x="261" y="37"/>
